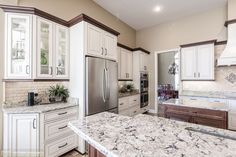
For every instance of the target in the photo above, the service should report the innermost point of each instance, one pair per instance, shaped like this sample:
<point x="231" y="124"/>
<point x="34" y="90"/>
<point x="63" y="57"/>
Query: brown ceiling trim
<point x="77" y="19"/>
<point x="221" y="42"/>
<point x="92" y="21"/>
<point x="124" y="46"/>
<point x="230" y="22"/>
<point x="31" y="10"/>
<point x="198" y="43"/>
<point x="141" y="49"/>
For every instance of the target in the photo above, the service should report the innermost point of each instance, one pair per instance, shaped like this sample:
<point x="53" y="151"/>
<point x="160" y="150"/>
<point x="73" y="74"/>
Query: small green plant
<point x="58" y="92"/>
<point x="127" y="88"/>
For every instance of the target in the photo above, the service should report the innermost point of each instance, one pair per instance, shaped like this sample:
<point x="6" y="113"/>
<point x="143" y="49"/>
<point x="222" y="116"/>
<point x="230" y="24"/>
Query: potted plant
<point x="58" y="93"/>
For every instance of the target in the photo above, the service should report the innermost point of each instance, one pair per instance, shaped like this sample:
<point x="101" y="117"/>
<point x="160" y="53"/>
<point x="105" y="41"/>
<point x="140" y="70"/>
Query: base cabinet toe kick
<point x="213" y="118"/>
<point x="40" y="134"/>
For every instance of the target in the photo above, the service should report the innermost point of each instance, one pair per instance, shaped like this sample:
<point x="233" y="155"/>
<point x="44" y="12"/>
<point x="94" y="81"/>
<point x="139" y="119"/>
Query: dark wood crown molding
<point x="221" y="42"/>
<point x="198" y="43"/>
<point x="83" y="17"/>
<point x="77" y="19"/>
<point x="141" y="49"/>
<point x="31" y="10"/>
<point x="124" y="46"/>
<point x="230" y="22"/>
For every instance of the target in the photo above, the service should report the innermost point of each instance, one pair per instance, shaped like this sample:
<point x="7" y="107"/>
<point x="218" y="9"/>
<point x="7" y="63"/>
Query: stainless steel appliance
<point x="144" y="89"/>
<point x="101" y="86"/>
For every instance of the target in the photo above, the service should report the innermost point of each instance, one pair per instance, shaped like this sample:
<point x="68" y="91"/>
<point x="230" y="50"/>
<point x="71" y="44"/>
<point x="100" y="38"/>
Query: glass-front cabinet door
<point x="61" y="52"/>
<point x="18" y="46"/>
<point x="44" y="48"/>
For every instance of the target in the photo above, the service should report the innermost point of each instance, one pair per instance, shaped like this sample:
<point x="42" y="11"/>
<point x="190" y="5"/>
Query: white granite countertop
<point x="151" y="136"/>
<point x="208" y="94"/>
<point x="37" y="108"/>
<point x="197" y="104"/>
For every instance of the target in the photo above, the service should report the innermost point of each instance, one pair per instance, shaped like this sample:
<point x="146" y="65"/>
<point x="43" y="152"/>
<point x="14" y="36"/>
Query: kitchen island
<point x="148" y="136"/>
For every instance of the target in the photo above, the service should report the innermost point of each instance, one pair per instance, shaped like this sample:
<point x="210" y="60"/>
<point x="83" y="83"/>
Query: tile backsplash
<point x="225" y="78"/>
<point x="16" y="92"/>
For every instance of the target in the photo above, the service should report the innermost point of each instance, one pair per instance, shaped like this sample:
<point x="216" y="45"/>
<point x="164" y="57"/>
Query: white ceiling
<point x="139" y="14"/>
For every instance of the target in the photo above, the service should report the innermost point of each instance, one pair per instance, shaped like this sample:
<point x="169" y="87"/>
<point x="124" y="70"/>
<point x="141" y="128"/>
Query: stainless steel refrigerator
<point x="101" y="86"/>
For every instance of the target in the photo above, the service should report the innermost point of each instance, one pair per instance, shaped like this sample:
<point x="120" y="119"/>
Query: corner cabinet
<point x="197" y="62"/>
<point x="125" y="64"/>
<point x="101" y="43"/>
<point x="18" y="46"/>
<point x="35" y="48"/>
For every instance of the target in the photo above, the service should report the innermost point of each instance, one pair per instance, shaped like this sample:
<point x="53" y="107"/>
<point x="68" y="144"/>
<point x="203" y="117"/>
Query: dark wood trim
<point x="124" y="46"/>
<point x="198" y="43"/>
<point x="83" y="17"/>
<point x="125" y="80"/>
<point x="77" y="19"/>
<point x="221" y="42"/>
<point x="35" y="80"/>
<point x="31" y="10"/>
<point x="141" y="49"/>
<point x="230" y="22"/>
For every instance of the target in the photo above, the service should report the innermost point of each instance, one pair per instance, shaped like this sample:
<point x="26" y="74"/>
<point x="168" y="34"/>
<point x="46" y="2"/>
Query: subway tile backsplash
<point x="16" y="92"/>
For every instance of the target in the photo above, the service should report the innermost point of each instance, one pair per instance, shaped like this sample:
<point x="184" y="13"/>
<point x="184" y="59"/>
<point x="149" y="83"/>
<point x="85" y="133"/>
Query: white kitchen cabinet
<point x="21" y="134"/>
<point x="44" y="48"/>
<point x="61" y="52"/>
<point x="143" y="62"/>
<point x="130" y="105"/>
<point x="126" y="64"/>
<point x="18" y="47"/>
<point x="197" y="62"/>
<point x="40" y="134"/>
<point x="101" y="43"/>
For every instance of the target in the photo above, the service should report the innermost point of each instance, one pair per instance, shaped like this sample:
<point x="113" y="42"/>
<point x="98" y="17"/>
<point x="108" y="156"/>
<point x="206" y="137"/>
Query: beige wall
<point x="69" y="9"/>
<point x="205" y="26"/>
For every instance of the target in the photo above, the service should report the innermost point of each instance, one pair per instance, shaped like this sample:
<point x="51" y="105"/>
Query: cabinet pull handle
<point x="51" y="70"/>
<point x="62" y="113"/>
<point x="63" y="127"/>
<point x="56" y="70"/>
<point x="62" y="145"/>
<point x="34" y="124"/>
<point x="102" y="50"/>
<point x="121" y="103"/>
<point x="27" y="69"/>
<point x="135" y="100"/>
<point x="199" y="74"/>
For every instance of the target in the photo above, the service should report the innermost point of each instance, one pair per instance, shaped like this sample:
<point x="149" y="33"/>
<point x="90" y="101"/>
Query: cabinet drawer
<point x="134" y="110"/>
<point x="61" y="146"/>
<point x="125" y="112"/>
<point x="58" y="114"/>
<point x="133" y="100"/>
<point x="123" y="103"/>
<point x="53" y="130"/>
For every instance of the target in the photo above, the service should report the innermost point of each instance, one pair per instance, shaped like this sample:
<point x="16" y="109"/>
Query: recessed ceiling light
<point x="157" y="9"/>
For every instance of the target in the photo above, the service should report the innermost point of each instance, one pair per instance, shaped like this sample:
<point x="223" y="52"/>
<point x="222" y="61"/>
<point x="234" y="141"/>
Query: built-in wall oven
<point x="144" y="89"/>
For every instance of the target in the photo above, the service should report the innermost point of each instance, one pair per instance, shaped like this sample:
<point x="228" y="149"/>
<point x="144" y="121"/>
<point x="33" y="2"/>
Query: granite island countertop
<point x="37" y="108"/>
<point x="203" y="104"/>
<point x="150" y="136"/>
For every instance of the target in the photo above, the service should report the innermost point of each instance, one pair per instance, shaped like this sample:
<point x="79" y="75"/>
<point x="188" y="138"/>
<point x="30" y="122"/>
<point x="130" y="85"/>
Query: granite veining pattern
<point x="149" y="136"/>
<point x="121" y="95"/>
<point x="37" y="108"/>
<point x="197" y="104"/>
<point x="213" y="94"/>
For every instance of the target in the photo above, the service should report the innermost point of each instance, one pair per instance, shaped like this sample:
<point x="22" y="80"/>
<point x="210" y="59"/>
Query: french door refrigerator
<point x="101" y="86"/>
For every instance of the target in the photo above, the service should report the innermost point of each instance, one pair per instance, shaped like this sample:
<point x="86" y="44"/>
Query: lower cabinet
<point x="39" y="134"/>
<point x="93" y="152"/>
<point x="206" y="117"/>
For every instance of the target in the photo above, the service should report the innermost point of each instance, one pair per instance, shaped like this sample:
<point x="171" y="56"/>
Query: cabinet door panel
<point x="210" y="122"/>
<point x="123" y="66"/>
<point x="95" y="41"/>
<point x="188" y="63"/>
<point x="45" y="48"/>
<point x="129" y="65"/>
<point x="119" y="63"/>
<point x="205" y="62"/>
<point x="18" y="47"/>
<point x="110" y="45"/>
<point x="25" y="135"/>
<point x="62" y="52"/>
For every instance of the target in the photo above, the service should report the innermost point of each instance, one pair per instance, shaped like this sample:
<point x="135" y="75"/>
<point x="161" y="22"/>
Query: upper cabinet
<point x="125" y="64"/>
<point x="101" y="43"/>
<point x="18" y="47"/>
<point x="141" y="61"/>
<point x="36" y="48"/>
<point x="197" y="62"/>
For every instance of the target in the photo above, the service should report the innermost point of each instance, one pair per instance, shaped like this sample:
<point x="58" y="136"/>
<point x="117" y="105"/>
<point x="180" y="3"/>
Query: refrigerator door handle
<point x="104" y="85"/>
<point x="107" y="85"/>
